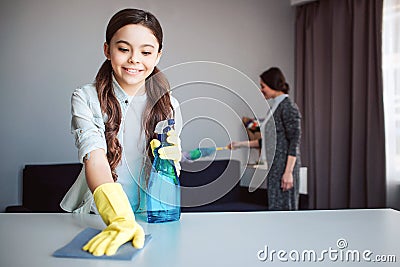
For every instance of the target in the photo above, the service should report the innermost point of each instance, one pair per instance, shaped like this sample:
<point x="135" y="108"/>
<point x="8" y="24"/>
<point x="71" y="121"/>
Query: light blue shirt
<point x="88" y="128"/>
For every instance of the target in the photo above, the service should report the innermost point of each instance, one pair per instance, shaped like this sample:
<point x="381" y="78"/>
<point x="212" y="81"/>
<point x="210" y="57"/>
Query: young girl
<point x="113" y="122"/>
<point x="284" y="126"/>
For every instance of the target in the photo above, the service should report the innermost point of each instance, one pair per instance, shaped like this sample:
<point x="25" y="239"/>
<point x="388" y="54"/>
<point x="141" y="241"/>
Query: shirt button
<point x="126" y="101"/>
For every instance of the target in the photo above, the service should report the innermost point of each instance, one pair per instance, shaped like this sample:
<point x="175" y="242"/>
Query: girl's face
<point x="133" y="51"/>
<point x="267" y="91"/>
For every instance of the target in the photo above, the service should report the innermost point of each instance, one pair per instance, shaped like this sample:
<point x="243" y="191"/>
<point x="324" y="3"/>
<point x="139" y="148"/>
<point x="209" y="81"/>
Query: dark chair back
<point x="44" y="186"/>
<point x="207" y="183"/>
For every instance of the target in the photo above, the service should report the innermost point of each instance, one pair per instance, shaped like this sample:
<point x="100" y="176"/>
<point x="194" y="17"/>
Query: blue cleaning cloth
<point x="74" y="248"/>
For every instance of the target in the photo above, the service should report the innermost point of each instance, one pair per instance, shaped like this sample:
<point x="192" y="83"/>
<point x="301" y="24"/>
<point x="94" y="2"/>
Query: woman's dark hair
<point x="158" y="105"/>
<point x="275" y="80"/>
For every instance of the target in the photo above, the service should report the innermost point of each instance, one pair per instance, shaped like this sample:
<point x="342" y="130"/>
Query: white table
<point x="213" y="239"/>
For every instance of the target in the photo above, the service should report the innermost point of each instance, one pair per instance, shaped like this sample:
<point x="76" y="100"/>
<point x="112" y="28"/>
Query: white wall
<point x="49" y="47"/>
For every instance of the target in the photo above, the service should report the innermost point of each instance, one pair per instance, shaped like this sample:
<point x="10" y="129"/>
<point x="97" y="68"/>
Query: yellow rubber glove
<point x="173" y="152"/>
<point x="115" y="210"/>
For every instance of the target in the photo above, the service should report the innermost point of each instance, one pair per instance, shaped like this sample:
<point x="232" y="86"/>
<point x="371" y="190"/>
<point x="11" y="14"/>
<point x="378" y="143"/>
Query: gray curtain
<point x="339" y="92"/>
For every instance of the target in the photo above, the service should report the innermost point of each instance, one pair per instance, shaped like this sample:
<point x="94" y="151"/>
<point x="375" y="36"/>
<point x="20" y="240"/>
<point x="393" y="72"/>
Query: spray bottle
<point x="163" y="199"/>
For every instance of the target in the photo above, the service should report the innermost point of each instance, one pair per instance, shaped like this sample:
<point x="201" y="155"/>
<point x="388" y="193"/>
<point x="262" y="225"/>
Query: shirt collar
<point x="119" y="92"/>
<point x="276" y="100"/>
<point x="279" y="98"/>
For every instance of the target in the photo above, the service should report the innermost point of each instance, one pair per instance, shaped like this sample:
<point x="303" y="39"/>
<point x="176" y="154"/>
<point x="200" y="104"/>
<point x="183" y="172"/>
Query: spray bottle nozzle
<point x="164" y="126"/>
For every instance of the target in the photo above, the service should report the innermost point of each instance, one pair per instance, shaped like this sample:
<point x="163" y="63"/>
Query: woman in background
<point x="283" y="175"/>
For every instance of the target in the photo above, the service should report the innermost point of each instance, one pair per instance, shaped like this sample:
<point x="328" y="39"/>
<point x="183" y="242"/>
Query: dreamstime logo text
<point x="338" y="254"/>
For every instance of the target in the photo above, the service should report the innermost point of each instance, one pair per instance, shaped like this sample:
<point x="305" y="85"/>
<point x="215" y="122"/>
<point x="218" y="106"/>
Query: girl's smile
<point x="133" y="71"/>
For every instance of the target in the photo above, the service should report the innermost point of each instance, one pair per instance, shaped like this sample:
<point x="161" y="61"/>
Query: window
<point x="391" y="96"/>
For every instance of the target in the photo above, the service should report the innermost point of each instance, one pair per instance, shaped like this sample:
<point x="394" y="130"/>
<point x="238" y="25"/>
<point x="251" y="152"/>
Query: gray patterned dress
<point x="283" y="139"/>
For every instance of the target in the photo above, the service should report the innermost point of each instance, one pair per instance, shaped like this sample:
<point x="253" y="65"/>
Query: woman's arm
<point x="239" y="144"/>
<point x="291" y="120"/>
<point x="97" y="169"/>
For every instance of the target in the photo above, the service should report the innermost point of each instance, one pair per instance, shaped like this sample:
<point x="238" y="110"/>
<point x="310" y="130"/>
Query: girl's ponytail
<point x="110" y="106"/>
<point x="158" y="105"/>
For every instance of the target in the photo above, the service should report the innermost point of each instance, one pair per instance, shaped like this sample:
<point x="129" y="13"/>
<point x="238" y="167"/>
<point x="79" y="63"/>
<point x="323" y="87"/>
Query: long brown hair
<point x="158" y="106"/>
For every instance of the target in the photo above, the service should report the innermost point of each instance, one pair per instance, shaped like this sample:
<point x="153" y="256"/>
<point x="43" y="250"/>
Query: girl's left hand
<point x="287" y="181"/>
<point x="173" y="152"/>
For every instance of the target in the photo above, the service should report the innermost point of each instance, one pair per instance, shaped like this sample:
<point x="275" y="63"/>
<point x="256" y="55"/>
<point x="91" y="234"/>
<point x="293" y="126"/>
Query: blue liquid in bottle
<point x="163" y="190"/>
